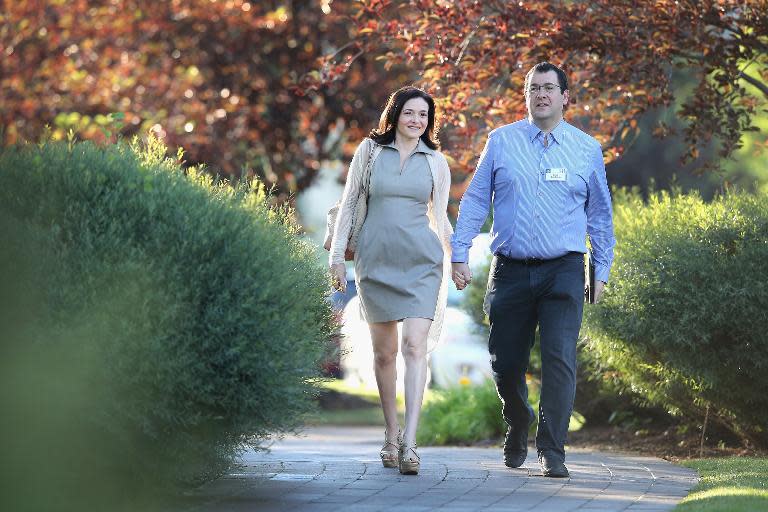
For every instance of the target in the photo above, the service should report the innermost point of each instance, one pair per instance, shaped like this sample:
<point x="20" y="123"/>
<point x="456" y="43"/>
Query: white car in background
<point x="461" y="356"/>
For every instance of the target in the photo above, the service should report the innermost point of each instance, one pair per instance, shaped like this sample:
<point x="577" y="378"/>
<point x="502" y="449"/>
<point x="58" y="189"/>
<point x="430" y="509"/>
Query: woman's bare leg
<point x="415" y="332"/>
<point x="384" y="339"/>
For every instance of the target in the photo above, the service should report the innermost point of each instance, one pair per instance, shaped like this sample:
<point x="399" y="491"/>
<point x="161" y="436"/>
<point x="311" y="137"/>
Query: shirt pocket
<point x="555" y="194"/>
<point x="568" y="194"/>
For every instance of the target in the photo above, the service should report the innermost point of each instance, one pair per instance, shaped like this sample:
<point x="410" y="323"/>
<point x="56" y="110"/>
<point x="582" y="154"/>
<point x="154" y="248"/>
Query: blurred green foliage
<point x="683" y="322"/>
<point x="462" y="415"/>
<point x="650" y="163"/>
<point x="471" y="413"/>
<point x="154" y="323"/>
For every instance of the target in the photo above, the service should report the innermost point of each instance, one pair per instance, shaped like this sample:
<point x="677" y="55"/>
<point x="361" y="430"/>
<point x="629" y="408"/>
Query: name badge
<point x="556" y="174"/>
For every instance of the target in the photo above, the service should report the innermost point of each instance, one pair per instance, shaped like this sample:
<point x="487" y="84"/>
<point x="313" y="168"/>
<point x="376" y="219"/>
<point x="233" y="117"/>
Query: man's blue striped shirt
<point x="538" y="212"/>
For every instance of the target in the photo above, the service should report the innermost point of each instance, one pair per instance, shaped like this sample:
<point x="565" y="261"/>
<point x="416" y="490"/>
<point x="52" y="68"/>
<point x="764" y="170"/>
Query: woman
<point x="400" y="254"/>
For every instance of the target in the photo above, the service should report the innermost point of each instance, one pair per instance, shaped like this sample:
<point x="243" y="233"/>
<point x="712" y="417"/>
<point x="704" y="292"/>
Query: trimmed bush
<point x="153" y="322"/>
<point x="684" y="321"/>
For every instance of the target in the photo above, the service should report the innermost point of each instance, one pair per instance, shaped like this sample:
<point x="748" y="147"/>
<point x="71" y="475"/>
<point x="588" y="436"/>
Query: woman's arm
<point x="348" y="202"/>
<point x="441" y="203"/>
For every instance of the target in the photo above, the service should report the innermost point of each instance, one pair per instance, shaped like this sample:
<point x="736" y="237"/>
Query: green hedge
<point x="684" y="321"/>
<point x="153" y="322"/>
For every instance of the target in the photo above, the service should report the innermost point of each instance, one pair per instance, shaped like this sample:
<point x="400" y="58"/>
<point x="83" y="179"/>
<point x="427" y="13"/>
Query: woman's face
<point x="413" y="119"/>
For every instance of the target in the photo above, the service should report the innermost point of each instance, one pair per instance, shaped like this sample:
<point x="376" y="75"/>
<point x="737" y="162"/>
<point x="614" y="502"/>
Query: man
<point x="546" y="182"/>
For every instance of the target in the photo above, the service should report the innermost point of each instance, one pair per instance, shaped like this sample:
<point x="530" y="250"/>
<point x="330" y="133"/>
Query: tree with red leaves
<point x="216" y="77"/>
<point x="619" y="54"/>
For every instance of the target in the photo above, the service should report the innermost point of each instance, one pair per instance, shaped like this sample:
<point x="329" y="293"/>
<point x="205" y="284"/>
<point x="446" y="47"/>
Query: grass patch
<point x="370" y="416"/>
<point x="733" y="484"/>
<point x="351" y="405"/>
<point x="342" y="386"/>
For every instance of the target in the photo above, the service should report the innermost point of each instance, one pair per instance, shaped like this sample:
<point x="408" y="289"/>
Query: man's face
<point x="544" y="98"/>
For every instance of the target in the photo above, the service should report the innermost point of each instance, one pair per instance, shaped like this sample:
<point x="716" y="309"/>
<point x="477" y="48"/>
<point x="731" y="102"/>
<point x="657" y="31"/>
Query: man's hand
<point x="339" y="277"/>
<point x="461" y="275"/>
<point x="599" y="287"/>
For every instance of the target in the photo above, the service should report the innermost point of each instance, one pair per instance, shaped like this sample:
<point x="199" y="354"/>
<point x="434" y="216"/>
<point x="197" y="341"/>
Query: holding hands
<point x="461" y="275"/>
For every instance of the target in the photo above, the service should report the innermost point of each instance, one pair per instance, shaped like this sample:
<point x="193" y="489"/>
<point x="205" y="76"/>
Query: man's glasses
<point x="547" y="88"/>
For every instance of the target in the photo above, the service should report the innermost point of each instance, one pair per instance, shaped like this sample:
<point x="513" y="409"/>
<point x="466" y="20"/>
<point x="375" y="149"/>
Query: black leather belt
<point x="533" y="262"/>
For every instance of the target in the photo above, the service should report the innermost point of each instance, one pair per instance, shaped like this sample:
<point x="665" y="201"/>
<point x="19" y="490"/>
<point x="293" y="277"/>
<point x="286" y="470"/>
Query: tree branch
<point x="754" y="81"/>
<point x="341" y="49"/>
<point x="465" y="44"/>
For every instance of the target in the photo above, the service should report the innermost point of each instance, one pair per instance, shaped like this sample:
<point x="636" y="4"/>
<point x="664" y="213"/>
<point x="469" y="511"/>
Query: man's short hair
<point x="543" y="67"/>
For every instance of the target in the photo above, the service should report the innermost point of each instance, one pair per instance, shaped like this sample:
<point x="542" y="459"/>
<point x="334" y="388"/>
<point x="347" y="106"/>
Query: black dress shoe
<point x="552" y="466"/>
<point x="515" y="447"/>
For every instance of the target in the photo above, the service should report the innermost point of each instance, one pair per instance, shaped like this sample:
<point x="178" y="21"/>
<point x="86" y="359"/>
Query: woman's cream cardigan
<point x="437" y="213"/>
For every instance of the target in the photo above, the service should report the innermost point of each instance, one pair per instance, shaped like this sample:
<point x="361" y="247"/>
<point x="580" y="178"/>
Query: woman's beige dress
<point x="399" y="259"/>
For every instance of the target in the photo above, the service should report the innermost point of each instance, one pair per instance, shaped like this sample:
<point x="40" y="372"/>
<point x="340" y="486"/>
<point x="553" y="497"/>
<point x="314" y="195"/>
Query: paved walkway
<point x="337" y="469"/>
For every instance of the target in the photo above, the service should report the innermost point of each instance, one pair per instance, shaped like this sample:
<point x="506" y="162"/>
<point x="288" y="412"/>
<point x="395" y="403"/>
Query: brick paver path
<point x="336" y="469"/>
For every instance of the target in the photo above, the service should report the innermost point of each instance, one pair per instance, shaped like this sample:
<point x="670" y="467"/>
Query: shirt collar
<point x="557" y="132"/>
<point x="421" y="147"/>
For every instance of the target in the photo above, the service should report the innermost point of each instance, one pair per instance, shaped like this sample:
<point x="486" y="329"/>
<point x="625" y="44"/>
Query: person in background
<point x="546" y="182"/>
<point x="400" y="254"/>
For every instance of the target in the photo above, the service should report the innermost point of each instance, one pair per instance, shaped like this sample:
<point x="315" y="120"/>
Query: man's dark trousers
<point x="521" y="295"/>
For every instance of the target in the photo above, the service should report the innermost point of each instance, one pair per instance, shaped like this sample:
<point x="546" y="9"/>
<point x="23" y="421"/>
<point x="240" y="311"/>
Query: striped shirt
<point x="547" y="196"/>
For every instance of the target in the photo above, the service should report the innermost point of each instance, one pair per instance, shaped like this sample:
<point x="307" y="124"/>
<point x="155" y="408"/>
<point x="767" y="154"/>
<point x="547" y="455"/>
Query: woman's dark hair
<point x="385" y="132"/>
<point x="543" y="67"/>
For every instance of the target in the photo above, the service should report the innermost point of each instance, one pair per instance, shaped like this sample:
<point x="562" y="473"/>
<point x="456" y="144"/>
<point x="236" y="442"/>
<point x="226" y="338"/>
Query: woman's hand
<point x="339" y="277"/>
<point x="461" y="275"/>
